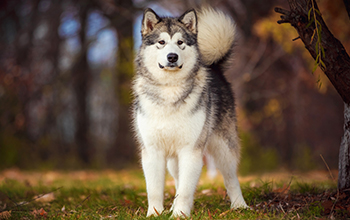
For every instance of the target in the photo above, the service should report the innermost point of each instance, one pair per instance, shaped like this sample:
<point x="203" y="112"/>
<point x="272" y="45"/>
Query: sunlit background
<point x="66" y="69"/>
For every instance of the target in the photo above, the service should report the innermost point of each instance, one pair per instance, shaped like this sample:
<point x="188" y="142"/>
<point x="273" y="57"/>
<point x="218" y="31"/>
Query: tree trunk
<point x="344" y="152"/>
<point x="336" y="66"/>
<point x="124" y="145"/>
<point x="124" y="148"/>
<point x="81" y="78"/>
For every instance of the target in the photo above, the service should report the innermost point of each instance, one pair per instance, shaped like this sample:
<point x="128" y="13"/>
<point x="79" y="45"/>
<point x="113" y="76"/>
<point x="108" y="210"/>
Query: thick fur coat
<point x="184" y="107"/>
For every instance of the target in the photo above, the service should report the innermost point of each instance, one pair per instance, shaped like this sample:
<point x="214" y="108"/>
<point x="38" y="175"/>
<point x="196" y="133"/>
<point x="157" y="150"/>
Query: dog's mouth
<point x="170" y="66"/>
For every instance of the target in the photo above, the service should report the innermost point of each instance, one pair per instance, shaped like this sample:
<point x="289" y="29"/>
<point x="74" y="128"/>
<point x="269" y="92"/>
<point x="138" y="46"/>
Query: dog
<point x="184" y="106"/>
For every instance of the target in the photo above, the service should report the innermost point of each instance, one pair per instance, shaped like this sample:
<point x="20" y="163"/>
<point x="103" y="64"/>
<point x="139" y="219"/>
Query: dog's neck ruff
<point x="173" y="94"/>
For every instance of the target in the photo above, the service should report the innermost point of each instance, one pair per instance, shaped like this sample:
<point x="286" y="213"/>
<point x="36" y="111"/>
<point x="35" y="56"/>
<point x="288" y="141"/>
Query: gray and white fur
<point x="184" y="107"/>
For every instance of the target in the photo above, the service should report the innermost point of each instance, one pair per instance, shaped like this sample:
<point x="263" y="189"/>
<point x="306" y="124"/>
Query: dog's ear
<point x="189" y="19"/>
<point x="150" y="19"/>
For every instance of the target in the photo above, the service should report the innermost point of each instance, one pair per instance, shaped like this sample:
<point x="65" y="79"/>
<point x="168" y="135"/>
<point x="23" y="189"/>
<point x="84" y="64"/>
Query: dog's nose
<point x="172" y="57"/>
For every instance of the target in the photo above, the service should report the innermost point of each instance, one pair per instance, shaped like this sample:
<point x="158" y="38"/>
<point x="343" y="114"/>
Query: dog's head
<point x="170" y="44"/>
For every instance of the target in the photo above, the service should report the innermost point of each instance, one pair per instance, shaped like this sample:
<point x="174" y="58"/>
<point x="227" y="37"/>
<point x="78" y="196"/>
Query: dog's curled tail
<point x="216" y="35"/>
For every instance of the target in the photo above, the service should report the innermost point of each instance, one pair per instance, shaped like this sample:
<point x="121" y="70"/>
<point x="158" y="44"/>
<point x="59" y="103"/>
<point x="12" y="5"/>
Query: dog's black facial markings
<point x="183" y="48"/>
<point x="180" y="67"/>
<point x="150" y="39"/>
<point x="160" y="66"/>
<point x="191" y="39"/>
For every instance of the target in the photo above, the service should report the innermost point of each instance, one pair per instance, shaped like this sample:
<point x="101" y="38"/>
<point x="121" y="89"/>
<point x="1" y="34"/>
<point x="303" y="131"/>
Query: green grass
<point x="122" y="195"/>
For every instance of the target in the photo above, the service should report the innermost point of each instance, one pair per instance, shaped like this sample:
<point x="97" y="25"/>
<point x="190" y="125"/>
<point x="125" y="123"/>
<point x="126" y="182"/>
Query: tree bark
<point x="336" y="67"/>
<point x="344" y="152"/>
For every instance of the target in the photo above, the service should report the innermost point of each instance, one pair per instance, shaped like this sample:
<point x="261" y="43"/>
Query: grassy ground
<point x="121" y="195"/>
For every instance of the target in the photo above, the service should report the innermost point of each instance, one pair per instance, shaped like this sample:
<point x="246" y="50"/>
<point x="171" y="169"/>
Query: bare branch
<point x="336" y="60"/>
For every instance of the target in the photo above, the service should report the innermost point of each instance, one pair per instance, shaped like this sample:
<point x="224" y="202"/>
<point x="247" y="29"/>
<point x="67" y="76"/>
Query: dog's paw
<point x="179" y="214"/>
<point x="240" y="205"/>
<point x="180" y="210"/>
<point x="152" y="211"/>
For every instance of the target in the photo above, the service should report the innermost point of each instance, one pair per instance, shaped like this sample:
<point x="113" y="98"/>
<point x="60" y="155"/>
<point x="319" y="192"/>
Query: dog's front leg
<point x="153" y="164"/>
<point x="190" y="167"/>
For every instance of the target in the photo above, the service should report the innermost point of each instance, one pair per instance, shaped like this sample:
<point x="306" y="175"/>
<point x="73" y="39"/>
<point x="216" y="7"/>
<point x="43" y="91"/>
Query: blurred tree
<point x="81" y="81"/>
<point x="121" y="15"/>
<point x="45" y="81"/>
<point x="331" y="57"/>
<point x="256" y="57"/>
<point x="62" y="102"/>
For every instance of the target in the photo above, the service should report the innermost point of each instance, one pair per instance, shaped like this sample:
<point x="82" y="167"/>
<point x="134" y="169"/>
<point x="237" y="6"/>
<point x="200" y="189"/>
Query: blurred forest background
<point x="66" y="68"/>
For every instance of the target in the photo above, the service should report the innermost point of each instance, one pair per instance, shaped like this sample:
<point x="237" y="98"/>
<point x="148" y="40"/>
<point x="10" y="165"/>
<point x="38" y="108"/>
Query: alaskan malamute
<point x="184" y="107"/>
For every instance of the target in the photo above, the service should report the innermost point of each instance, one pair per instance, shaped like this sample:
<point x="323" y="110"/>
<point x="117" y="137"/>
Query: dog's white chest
<point x="163" y="127"/>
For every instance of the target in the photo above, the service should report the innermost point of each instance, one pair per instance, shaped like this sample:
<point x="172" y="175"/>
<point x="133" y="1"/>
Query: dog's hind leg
<point x="190" y="166"/>
<point x="173" y="167"/>
<point x="153" y="164"/>
<point x="226" y="156"/>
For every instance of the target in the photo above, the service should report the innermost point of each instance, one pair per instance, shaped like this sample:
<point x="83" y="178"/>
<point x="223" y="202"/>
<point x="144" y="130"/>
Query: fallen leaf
<point x="284" y="190"/>
<point x="5" y="215"/>
<point x="327" y="206"/>
<point x="207" y="192"/>
<point x="44" y="198"/>
<point x="40" y="212"/>
<point x="224" y="213"/>
<point x="43" y="213"/>
<point x="221" y="191"/>
<point x="142" y="194"/>
<point x="209" y="214"/>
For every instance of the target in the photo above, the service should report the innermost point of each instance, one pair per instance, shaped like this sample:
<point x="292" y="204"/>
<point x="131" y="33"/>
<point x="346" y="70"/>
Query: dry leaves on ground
<point x="333" y="204"/>
<point x="5" y="215"/>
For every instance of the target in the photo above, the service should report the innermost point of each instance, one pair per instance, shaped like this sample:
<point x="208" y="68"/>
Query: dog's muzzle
<point x="172" y="59"/>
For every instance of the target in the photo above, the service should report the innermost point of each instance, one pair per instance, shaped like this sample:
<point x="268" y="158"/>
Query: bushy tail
<point x="216" y="35"/>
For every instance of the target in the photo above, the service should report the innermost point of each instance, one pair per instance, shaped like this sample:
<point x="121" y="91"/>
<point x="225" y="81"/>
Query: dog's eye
<point x="161" y="42"/>
<point x="180" y="42"/>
